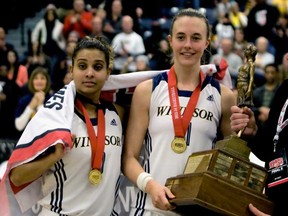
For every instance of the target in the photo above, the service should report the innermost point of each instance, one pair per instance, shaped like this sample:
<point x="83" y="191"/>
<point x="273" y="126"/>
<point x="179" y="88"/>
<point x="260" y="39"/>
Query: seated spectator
<point x="112" y="23"/>
<point x="73" y="36"/>
<point x="127" y="43"/>
<point x="28" y="105"/>
<point x="161" y="57"/>
<point x="78" y="20"/>
<point x="4" y="47"/>
<point x="16" y="71"/>
<point x="263" y="58"/>
<point x="142" y="64"/>
<point x="239" y="42"/>
<point x="62" y="67"/>
<point x="97" y="27"/>
<point x="263" y="95"/>
<point x="222" y="29"/>
<point x="237" y="17"/>
<point x="234" y="61"/>
<point x="9" y="95"/>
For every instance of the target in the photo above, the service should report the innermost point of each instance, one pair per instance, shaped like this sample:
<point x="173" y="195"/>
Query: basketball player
<point x="81" y="180"/>
<point x="174" y="114"/>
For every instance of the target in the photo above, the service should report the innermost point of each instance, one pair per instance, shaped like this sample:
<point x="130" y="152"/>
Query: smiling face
<point x="39" y="82"/>
<point x="188" y="40"/>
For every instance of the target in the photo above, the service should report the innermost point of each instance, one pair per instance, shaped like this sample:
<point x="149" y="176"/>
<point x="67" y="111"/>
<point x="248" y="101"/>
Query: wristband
<point x="142" y="180"/>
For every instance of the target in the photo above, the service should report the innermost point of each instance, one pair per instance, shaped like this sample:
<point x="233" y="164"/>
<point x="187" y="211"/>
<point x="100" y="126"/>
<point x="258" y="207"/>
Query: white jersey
<point x="159" y="158"/>
<point x="74" y="194"/>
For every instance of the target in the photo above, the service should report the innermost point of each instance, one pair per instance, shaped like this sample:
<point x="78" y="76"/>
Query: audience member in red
<point x="78" y="20"/>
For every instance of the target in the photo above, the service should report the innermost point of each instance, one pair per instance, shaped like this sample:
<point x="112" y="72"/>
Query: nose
<point x="188" y="43"/>
<point x="90" y="72"/>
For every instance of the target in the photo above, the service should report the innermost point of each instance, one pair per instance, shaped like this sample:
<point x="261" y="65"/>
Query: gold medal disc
<point x="179" y="145"/>
<point x="95" y="176"/>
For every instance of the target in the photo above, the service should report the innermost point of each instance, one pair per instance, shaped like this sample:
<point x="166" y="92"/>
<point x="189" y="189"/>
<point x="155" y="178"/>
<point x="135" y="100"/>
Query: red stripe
<point x="278" y="182"/>
<point x="40" y="144"/>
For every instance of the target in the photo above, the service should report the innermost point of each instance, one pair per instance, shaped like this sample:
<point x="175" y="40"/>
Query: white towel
<point x="52" y="125"/>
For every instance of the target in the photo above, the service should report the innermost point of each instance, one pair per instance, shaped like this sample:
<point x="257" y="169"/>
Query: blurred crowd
<point x="137" y="30"/>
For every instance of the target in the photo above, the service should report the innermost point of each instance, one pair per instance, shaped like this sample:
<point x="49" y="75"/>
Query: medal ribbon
<point x="97" y="143"/>
<point x="181" y="123"/>
<point x="280" y="124"/>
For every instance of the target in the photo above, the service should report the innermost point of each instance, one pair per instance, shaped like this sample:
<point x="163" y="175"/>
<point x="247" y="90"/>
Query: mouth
<point x="187" y="54"/>
<point x="89" y="84"/>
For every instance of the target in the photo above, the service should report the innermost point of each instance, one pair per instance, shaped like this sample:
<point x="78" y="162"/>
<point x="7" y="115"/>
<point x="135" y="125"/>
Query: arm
<point x="243" y="118"/>
<point x="136" y="130"/>
<point x="228" y="100"/>
<point x="23" y="119"/>
<point x="29" y="172"/>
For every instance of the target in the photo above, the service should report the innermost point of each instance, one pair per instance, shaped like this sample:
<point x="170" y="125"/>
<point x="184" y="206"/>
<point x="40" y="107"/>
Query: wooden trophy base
<point x="210" y="194"/>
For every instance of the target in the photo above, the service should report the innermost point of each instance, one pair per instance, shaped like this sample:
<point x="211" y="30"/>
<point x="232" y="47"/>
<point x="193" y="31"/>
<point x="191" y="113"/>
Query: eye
<point x="82" y="66"/>
<point x="196" y="38"/>
<point x="180" y="37"/>
<point x="98" y="67"/>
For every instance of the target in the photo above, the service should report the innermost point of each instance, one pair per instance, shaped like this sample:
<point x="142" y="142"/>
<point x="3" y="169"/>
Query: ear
<point x="169" y="38"/>
<point x="71" y="70"/>
<point x="208" y="42"/>
<point x="108" y="73"/>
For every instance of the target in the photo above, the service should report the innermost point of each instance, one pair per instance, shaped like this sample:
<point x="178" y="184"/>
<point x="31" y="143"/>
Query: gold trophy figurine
<point x="245" y="87"/>
<point x="223" y="181"/>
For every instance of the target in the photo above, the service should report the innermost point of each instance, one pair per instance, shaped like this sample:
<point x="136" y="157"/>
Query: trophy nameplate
<point x="223" y="181"/>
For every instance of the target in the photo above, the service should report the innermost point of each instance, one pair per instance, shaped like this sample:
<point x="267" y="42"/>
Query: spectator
<point x="112" y="23"/>
<point x="29" y="104"/>
<point x="9" y="95"/>
<point x="127" y="43"/>
<point x="62" y="67"/>
<point x="223" y="29"/>
<point x="47" y="36"/>
<point x="78" y="20"/>
<point x="281" y="33"/>
<point x="97" y="27"/>
<point x="141" y="61"/>
<point x="263" y="58"/>
<point x="239" y="42"/>
<point x="4" y="47"/>
<point x="263" y="95"/>
<point x="237" y="17"/>
<point x="15" y="70"/>
<point x="234" y="61"/>
<point x="262" y="18"/>
<point x="161" y="58"/>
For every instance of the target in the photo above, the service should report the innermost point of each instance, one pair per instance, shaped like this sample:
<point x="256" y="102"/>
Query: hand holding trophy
<point x="223" y="181"/>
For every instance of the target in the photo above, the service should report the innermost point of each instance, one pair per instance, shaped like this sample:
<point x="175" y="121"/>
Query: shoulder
<point x="227" y="96"/>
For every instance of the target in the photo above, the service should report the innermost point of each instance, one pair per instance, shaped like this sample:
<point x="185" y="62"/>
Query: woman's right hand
<point x="160" y="195"/>
<point x="243" y="118"/>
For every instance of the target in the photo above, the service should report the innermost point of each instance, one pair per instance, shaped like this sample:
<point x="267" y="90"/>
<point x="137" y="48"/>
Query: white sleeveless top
<point x="159" y="158"/>
<point x="74" y="194"/>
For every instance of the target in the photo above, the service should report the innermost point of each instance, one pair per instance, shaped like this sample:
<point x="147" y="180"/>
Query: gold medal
<point x="179" y="145"/>
<point x="95" y="176"/>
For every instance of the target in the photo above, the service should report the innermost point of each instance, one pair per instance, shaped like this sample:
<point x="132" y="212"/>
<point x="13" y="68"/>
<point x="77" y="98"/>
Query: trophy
<point x="223" y="181"/>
